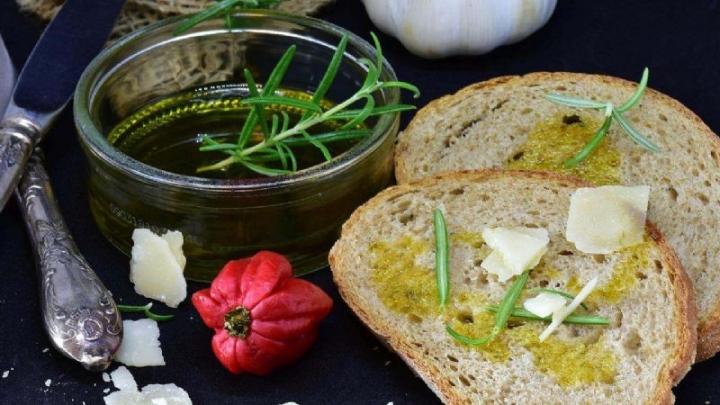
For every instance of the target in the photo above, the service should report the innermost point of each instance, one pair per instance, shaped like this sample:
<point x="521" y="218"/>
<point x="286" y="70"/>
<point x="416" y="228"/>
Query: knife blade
<point x="68" y="44"/>
<point x="7" y="76"/>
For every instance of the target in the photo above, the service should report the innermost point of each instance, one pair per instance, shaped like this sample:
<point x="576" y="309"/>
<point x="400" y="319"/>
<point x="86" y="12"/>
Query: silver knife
<point x="79" y="313"/>
<point x="71" y="40"/>
<point x="7" y="76"/>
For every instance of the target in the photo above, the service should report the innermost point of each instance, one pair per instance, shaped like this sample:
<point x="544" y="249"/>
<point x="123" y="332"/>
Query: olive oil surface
<point x="167" y="133"/>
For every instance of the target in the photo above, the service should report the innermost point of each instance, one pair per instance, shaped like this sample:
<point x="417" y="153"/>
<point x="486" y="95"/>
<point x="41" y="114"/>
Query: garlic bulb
<point x="439" y="28"/>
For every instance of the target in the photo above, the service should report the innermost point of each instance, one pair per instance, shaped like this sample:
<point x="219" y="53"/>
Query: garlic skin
<point x="439" y="28"/>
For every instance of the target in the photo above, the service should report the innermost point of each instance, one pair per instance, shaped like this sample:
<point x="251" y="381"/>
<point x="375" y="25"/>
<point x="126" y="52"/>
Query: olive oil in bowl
<point x="144" y="105"/>
<point x="168" y="133"/>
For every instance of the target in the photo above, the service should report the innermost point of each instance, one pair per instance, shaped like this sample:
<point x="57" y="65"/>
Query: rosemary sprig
<point x="146" y="310"/>
<point x="503" y="313"/>
<point x="222" y="7"/>
<point x="578" y="319"/>
<point x="611" y="113"/>
<point x="442" y="258"/>
<point x="279" y="134"/>
<point x="508" y="303"/>
<point x="468" y="340"/>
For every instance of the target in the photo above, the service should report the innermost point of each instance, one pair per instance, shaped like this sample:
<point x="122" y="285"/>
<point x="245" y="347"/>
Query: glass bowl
<point x="299" y="214"/>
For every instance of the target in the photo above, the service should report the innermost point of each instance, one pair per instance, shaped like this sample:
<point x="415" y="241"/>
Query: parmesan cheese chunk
<point x="123" y="380"/>
<point x="605" y="219"/>
<point x="157" y="265"/>
<point x="544" y="304"/>
<point x="140" y="346"/>
<point x="514" y="250"/>
<point x="151" y="394"/>
<point x="561" y="313"/>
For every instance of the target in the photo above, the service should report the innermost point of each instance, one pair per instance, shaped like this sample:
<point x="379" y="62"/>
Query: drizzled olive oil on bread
<point x="492" y="124"/>
<point x="384" y="267"/>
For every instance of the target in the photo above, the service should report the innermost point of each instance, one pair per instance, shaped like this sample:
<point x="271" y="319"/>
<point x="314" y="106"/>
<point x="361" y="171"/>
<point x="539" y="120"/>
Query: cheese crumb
<point x="560" y="314"/>
<point x="604" y="219"/>
<point x="155" y="394"/>
<point x="514" y="250"/>
<point x="157" y="265"/>
<point x="544" y="304"/>
<point x="140" y="346"/>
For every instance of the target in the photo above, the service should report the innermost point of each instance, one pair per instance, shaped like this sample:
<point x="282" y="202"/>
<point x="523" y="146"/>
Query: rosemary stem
<point x="295" y="130"/>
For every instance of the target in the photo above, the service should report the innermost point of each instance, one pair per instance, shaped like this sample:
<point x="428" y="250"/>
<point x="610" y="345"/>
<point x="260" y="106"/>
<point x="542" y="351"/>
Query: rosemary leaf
<point x="467" y="340"/>
<point x="441" y="257"/>
<point x="578" y="319"/>
<point x="363" y="113"/>
<point x="385" y="109"/>
<point x="262" y="169"/>
<point x="635" y="98"/>
<point x="331" y="71"/>
<point x="334" y="136"/>
<point x="508" y="303"/>
<point x="224" y="6"/>
<point x="574" y="102"/>
<point x="284" y="101"/>
<point x="634" y="134"/>
<point x="323" y="149"/>
<point x="145" y="309"/>
<point x="592" y="145"/>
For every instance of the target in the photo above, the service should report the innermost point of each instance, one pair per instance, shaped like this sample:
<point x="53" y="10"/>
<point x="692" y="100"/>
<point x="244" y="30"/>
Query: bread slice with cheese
<point x="507" y="123"/>
<point x="384" y="267"/>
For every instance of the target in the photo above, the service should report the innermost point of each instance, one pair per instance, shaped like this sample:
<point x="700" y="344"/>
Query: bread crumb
<point x="6" y="373"/>
<point x="48" y="382"/>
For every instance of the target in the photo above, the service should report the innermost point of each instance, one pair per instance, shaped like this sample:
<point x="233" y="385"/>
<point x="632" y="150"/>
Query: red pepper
<point x="263" y="317"/>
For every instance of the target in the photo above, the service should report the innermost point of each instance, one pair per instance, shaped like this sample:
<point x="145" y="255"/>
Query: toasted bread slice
<point x="383" y="265"/>
<point x="504" y="122"/>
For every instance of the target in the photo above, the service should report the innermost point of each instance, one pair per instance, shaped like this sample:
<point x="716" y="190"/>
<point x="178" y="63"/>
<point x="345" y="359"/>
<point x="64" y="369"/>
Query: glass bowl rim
<point x="97" y="144"/>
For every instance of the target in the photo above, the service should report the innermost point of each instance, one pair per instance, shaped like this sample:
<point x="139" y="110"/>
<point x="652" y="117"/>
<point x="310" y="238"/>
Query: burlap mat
<point x="139" y="13"/>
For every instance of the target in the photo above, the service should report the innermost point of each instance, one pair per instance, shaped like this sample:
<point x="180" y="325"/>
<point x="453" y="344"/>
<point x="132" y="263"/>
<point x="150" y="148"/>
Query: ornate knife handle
<point x="79" y="313"/>
<point x="17" y="140"/>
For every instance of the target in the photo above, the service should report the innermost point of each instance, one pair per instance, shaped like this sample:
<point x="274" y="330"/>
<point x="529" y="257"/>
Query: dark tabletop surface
<point x="678" y="40"/>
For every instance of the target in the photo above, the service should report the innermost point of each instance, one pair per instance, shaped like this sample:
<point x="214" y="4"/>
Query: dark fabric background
<point x="679" y="41"/>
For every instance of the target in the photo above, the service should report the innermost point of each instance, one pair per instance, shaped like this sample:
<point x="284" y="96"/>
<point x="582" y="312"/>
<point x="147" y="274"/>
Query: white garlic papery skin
<point x="440" y="28"/>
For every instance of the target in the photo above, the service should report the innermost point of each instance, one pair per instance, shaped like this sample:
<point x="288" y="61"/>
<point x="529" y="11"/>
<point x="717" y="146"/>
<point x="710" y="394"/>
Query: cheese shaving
<point x="560" y="314"/>
<point x="514" y="250"/>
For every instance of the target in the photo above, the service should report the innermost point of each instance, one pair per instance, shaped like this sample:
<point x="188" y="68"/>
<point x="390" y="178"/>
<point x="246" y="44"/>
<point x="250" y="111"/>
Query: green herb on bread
<point x="575" y="319"/>
<point x="441" y="257"/>
<point x="611" y="113"/>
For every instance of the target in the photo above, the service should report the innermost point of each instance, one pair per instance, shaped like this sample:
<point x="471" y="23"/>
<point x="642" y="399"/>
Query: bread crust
<point x="344" y="264"/>
<point x="688" y="145"/>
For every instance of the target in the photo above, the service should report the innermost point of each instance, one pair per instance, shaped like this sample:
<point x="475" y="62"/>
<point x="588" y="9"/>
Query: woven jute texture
<point x="139" y="13"/>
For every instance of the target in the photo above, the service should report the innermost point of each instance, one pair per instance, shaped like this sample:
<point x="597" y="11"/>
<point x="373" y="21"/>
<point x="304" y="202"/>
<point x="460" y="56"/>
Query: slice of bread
<point x="496" y="124"/>
<point x="383" y="266"/>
